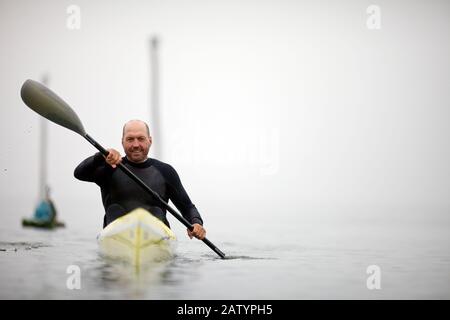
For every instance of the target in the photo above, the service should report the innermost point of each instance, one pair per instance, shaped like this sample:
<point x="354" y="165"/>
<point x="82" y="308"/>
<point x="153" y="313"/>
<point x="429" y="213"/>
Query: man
<point x="121" y="195"/>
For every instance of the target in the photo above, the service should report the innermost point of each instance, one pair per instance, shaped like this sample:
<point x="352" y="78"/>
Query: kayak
<point x="137" y="238"/>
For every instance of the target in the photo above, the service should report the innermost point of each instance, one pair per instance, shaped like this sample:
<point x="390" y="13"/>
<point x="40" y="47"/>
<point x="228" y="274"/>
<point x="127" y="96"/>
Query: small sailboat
<point x="45" y="214"/>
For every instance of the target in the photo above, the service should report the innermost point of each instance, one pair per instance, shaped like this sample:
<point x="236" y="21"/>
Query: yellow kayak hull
<point x="138" y="238"/>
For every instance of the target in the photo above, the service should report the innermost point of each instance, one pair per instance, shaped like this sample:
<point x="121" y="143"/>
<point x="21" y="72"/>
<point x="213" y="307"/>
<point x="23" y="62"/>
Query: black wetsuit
<point x="120" y="194"/>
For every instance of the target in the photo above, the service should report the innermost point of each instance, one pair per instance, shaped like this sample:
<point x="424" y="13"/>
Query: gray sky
<point x="290" y="107"/>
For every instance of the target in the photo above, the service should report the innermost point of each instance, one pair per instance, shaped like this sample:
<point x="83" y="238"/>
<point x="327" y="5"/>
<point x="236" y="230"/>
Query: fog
<point x="290" y="109"/>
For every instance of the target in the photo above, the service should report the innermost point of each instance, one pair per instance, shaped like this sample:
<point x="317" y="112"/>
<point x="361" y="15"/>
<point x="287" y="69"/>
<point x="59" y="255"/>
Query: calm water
<point x="289" y="260"/>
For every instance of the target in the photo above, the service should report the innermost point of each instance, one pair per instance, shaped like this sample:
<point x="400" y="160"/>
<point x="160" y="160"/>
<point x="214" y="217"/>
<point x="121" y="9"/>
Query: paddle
<point x="45" y="102"/>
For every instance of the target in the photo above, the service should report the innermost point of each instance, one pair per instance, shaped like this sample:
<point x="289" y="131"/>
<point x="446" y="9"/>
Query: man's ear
<point x="150" y="138"/>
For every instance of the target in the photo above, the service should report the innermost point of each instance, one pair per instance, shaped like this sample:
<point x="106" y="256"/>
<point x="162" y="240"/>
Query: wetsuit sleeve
<point x="91" y="169"/>
<point x="180" y="197"/>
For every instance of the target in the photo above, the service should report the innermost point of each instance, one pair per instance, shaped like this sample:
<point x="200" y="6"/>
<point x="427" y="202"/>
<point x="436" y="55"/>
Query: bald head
<point x="135" y="124"/>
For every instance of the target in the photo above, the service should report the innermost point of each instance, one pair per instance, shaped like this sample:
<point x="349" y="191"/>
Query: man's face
<point x="136" y="142"/>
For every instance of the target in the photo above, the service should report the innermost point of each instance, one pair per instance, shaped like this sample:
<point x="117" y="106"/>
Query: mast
<point x="155" y="113"/>
<point x="43" y="143"/>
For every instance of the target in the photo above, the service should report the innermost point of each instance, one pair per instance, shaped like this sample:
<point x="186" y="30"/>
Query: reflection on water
<point x="14" y="246"/>
<point x="112" y="276"/>
<point x="247" y="258"/>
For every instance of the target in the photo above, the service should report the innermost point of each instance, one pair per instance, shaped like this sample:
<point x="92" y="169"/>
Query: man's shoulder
<point x="160" y="164"/>
<point x="166" y="169"/>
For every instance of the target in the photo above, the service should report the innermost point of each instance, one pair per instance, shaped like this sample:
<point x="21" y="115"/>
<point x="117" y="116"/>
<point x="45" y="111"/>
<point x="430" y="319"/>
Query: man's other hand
<point x="199" y="232"/>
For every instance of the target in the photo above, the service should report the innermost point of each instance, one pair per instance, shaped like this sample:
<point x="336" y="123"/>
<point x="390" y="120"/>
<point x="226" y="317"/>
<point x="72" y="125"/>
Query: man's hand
<point x="199" y="232"/>
<point x="113" y="158"/>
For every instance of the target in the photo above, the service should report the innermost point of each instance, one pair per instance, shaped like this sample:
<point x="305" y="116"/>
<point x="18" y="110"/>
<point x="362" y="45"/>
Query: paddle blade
<point x="45" y="102"/>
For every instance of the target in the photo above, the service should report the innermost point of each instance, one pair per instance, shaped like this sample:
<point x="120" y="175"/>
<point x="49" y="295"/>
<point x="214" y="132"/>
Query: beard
<point x="137" y="154"/>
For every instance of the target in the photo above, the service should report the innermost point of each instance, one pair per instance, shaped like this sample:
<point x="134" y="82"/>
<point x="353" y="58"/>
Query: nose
<point x="135" y="143"/>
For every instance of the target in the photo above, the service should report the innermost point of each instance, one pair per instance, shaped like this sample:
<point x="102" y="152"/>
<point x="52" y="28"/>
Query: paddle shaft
<point x="130" y="174"/>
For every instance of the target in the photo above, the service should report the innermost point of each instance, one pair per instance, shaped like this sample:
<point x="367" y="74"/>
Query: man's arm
<point x="90" y="169"/>
<point x="181" y="200"/>
<point x="93" y="169"/>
